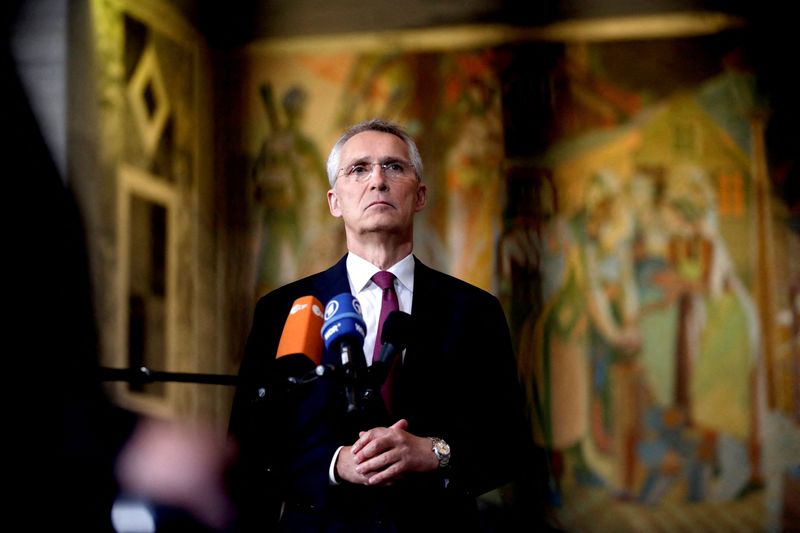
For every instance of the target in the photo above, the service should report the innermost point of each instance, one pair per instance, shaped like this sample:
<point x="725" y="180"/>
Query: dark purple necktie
<point x="389" y="303"/>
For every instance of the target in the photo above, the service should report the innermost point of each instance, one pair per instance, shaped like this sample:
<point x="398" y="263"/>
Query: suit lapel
<point x="419" y="302"/>
<point x="332" y="282"/>
<point x="421" y="307"/>
<point x="325" y="286"/>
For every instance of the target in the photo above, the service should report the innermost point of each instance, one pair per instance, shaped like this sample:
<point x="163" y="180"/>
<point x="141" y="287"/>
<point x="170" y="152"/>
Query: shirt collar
<point x="361" y="271"/>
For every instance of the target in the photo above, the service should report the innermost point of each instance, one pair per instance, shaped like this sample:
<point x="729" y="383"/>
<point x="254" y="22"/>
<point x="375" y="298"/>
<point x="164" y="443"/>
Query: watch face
<point x="442" y="452"/>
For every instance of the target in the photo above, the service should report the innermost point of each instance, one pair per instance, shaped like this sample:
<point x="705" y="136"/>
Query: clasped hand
<point x="381" y="456"/>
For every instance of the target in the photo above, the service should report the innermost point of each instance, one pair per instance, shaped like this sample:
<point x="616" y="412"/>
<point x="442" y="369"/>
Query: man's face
<point x="383" y="201"/>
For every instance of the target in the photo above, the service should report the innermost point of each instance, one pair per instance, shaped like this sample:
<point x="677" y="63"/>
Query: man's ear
<point x="333" y="204"/>
<point x="422" y="197"/>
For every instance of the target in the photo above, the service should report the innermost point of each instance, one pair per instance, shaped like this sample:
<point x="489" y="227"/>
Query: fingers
<point x="379" y="454"/>
<point x="374" y="443"/>
<point x="366" y="437"/>
<point x="384" y="462"/>
<point x="386" y="476"/>
<point x="346" y="468"/>
<point x="400" y="424"/>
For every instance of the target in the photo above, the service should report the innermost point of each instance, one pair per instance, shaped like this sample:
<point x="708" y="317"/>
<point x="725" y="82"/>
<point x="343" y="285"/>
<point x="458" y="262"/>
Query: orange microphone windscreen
<point x="301" y="332"/>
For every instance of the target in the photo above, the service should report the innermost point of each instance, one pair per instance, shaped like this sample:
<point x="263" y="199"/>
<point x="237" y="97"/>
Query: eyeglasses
<point x="392" y="170"/>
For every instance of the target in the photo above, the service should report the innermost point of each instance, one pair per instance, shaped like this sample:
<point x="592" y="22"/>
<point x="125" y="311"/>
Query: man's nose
<point x="377" y="177"/>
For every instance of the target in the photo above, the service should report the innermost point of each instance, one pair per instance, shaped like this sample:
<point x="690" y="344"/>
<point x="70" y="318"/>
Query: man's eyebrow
<point x="358" y="161"/>
<point x="382" y="160"/>
<point x="391" y="159"/>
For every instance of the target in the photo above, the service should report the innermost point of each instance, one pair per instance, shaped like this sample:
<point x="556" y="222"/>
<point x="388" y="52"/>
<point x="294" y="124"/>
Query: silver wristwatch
<point x="441" y="450"/>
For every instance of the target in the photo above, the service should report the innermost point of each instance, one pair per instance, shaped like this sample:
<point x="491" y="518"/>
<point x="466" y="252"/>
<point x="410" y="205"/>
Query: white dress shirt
<point x="359" y="274"/>
<point x="369" y="295"/>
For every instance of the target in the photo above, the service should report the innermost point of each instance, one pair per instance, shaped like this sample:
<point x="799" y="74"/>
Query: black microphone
<point x="394" y="339"/>
<point x="394" y="336"/>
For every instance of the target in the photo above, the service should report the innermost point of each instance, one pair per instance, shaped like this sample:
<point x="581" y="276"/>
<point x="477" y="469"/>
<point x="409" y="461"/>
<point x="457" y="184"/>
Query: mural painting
<point x="653" y="336"/>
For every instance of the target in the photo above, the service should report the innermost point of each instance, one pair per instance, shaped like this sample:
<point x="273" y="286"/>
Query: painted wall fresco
<point x="649" y="272"/>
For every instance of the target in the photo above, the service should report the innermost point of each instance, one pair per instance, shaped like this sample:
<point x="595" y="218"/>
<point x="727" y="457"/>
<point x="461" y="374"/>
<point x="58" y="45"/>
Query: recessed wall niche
<point x="147" y="285"/>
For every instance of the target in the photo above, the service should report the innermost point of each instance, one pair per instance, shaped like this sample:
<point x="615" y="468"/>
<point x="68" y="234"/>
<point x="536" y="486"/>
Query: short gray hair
<point x="375" y="124"/>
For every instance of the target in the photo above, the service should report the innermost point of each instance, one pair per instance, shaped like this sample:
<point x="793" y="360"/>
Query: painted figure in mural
<point x="662" y="449"/>
<point x="659" y="444"/>
<point x="658" y="294"/>
<point x="456" y="380"/>
<point x="287" y="177"/>
<point x="527" y="248"/>
<point x="584" y="341"/>
<point x="470" y="119"/>
<point x="613" y="335"/>
<point x="710" y="408"/>
<point x="531" y="205"/>
<point x="613" y="306"/>
<point x="552" y="353"/>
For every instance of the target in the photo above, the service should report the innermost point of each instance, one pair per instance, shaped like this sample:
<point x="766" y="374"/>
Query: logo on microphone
<point x="316" y="310"/>
<point x="357" y="306"/>
<point x="332" y="330"/>
<point x="296" y="308"/>
<point x="331" y="309"/>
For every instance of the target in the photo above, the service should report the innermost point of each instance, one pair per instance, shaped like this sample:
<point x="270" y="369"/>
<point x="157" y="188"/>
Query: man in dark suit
<point x="457" y="427"/>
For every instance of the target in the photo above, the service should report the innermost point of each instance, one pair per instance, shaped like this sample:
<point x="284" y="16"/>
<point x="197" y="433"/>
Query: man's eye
<point x="358" y="170"/>
<point x="395" y="167"/>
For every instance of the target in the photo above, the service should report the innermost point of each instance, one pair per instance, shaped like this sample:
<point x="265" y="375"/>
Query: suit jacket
<point x="457" y="381"/>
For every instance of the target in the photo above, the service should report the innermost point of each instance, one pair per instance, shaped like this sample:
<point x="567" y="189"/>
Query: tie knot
<point x="383" y="279"/>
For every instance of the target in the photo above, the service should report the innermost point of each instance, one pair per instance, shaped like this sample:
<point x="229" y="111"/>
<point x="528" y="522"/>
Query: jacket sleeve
<point x="490" y="437"/>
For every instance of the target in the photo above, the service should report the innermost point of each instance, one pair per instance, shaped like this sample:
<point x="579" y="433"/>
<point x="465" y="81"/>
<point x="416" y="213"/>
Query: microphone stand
<point x="349" y="378"/>
<point x="144" y="375"/>
<point x="347" y="375"/>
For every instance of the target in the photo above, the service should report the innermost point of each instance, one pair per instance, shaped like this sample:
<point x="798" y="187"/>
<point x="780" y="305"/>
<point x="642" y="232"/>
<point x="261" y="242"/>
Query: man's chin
<point x="382" y="227"/>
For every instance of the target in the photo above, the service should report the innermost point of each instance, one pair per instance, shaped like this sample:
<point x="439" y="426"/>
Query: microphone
<point x="394" y="339"/>
<point x="300" y="347"/>
<point x="343" y="332"/>
<point x="394" y="336"/>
